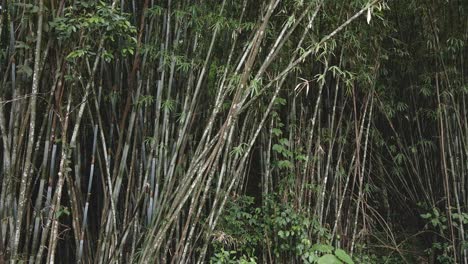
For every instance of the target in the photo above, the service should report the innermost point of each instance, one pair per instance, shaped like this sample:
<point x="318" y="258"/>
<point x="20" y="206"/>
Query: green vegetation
<point x="275" y="229"/>
<point x="203" y="131"/>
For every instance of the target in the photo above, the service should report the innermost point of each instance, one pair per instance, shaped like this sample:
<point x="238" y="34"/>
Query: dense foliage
<point x="233" y="131"/>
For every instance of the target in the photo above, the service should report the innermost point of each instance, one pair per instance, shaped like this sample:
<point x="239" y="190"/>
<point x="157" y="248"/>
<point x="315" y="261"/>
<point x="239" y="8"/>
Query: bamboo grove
<point x="233" y="131"/>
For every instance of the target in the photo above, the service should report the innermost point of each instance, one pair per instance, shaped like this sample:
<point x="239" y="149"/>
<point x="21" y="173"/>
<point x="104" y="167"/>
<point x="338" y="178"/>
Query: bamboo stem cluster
<point x="130" y="132"/>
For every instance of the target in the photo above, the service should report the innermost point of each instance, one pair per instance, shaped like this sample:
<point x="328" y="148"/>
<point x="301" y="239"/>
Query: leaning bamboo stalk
<point x="257" y="131"/>
<point x="191" y="108"/>
<point x="204" y="248"/>
<point x="237" y="173"/>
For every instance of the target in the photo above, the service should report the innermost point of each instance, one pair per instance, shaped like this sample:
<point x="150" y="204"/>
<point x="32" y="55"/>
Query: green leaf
<point x="280" y="101"/>
<point x="328" y="259"/>
<point x="277" y="132"/>
<point x="278" y="148"/>
<point x="284" y="141"/>
<point x="312" y="258"/>
<point x="322" y="248"/>
<point x="343" y="256"/>
<point x="426" y="216"/>
<point x="281" y="234"/>
<point x="76" y="54"/>
<point x="283" y="164"/>
<point x="301" y="157"/>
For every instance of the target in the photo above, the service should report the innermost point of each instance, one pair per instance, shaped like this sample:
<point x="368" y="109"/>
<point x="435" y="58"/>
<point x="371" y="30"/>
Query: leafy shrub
<point x="278" y="227"/>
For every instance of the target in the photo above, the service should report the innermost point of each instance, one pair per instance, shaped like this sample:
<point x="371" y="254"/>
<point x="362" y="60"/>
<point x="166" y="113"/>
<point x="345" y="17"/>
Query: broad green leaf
<point x="276" y="131"/>
<point x="285" y="164"/>
<point x="278" y="148"/>
<point x="426" y="216"/>
<point x="343" y="256"/>
<point x="322" y="248"/>
<point x="329" y="259"/>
